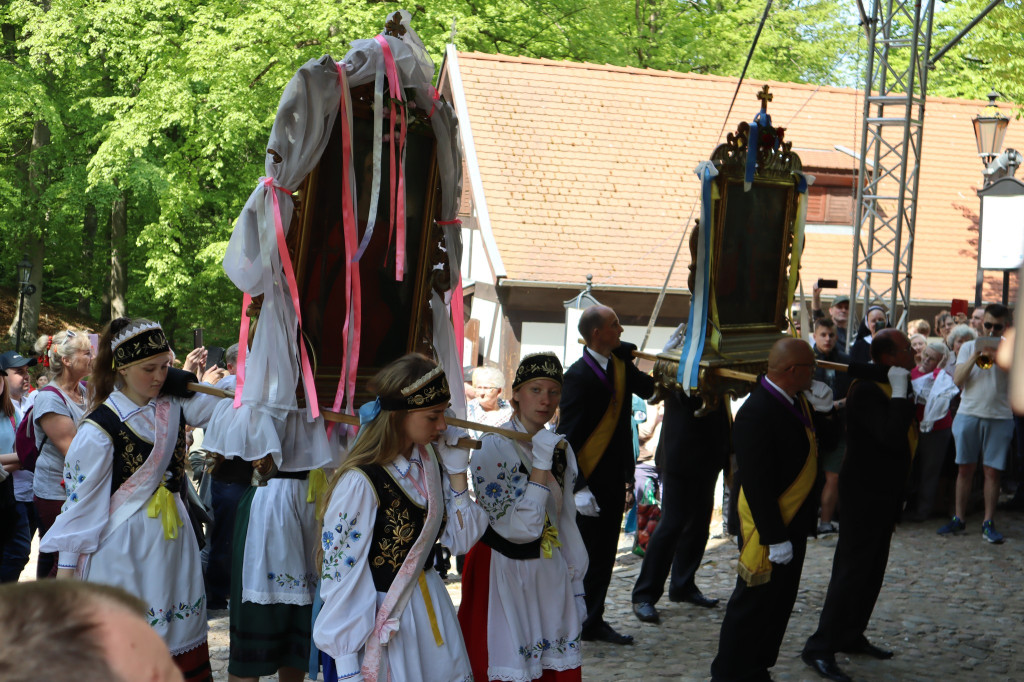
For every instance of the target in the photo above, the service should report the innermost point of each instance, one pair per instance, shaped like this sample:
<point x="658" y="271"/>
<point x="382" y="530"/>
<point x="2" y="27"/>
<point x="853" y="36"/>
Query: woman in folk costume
<point x="522" y="589"/>
<point x="386" y="613"/>
<point x="124" y="522"/>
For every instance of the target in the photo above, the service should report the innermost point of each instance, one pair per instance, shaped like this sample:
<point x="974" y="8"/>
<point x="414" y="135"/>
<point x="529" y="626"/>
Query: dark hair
<point x="590" y="321"/>
<point x="51" y="626"/>
<point x="997" y="310"/>
<point x="824" y="322"/>
<point x="881" y="345"/>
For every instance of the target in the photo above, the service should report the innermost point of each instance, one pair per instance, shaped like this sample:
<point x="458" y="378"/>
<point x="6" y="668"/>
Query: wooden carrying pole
<point x="353" y="420"/>
<point x="746" y="376"/>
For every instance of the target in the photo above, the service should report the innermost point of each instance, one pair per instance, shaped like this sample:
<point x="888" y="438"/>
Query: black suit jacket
<point x="771" y="448"/>
<point x="877" y="459"/>
<point x="584" y="401"/>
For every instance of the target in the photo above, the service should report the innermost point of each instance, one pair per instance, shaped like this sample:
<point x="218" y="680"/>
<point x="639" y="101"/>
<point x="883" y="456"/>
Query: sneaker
<point x="989" y="532"/>
<point x="827" y="528"/>
<point x="954" y="527"/>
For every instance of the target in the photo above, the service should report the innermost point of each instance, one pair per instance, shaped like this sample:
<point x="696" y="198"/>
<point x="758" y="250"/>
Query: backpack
<point x="25" y="436"/>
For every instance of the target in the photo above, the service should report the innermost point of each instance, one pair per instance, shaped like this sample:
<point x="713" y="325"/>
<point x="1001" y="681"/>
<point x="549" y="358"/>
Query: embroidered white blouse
<point x="351" y="600"/>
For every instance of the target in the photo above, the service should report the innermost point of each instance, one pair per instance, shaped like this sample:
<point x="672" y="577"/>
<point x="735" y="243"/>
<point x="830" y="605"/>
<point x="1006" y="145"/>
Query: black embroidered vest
<point x="131" y="450"/>
<point x="398" y="523"/>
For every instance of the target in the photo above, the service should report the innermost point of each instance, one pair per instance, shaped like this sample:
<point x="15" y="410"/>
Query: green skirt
<point x="264" y="637"/>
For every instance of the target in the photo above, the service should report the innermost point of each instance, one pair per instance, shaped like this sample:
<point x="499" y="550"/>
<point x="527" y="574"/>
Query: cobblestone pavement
<point x="951" y="609"/>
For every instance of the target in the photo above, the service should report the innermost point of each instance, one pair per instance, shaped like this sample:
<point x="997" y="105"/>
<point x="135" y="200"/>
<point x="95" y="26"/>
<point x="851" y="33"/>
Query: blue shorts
<point x="989" y="438"/>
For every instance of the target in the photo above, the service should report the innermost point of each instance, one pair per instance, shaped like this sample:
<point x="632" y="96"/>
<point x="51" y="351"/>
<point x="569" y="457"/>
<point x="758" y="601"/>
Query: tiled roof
<point x="589" y="169"/>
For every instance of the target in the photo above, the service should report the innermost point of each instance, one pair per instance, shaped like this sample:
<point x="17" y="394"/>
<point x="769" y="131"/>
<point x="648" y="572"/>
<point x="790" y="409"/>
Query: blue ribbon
<point x="369" y="411"/>
<point x="697" y="322"/>
<point x="753" y="142"/>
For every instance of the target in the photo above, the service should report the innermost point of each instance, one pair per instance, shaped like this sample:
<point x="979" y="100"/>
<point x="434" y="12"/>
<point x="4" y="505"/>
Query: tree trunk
<point x="118" y="256"/>
<point x="91" y="225"/>
<point x="35" y="246"/>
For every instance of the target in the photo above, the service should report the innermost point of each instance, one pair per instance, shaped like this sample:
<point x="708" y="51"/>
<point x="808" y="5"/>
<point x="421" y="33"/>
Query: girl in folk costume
<point x="522" y="589"/>
<point x="124" y="522"/>
<point x="386" y="613"/>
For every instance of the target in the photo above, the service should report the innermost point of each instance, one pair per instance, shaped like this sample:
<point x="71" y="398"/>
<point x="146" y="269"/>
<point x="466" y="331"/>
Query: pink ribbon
<point x="243" y="348"/>
<point x="353" y="290"/>
<point x="397" y="203"/>
<point x="286" y="265"/>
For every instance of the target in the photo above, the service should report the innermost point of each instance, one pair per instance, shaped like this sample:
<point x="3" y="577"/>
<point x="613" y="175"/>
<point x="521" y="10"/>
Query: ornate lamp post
<point x="1001" y="218"/>
<point x="574" y="307"/>
<point x="989" y="130"/>
<point x="25" y="289"/>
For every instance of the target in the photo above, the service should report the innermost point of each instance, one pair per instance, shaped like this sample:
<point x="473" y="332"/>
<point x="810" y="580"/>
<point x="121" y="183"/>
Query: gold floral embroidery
<point x="131" y="457"/>
<point x="400" y="533"/>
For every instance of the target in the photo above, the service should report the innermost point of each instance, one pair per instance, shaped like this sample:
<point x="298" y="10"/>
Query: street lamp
<point x="574" y="308"/>
<point x="989" y="130"/>
<point x="25" y="289"/>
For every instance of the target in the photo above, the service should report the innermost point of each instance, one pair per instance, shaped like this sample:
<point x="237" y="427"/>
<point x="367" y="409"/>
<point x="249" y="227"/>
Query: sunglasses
<point x="993" y="325"/>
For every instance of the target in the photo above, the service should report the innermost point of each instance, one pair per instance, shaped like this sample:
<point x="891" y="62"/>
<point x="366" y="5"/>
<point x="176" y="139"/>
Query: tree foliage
<point x="167" y="105"/>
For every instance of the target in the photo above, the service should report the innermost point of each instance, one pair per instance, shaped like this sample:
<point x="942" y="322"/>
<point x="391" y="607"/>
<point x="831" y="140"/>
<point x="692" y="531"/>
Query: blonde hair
<point x="62" y="345"/>
<point x="380" y="440"/>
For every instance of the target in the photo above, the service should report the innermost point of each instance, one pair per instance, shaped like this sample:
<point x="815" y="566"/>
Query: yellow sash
<point x="912" y="434"/>
<point x="162" y="504"/>
<point x="592" y="450"/>
<point x="754" y="566"/>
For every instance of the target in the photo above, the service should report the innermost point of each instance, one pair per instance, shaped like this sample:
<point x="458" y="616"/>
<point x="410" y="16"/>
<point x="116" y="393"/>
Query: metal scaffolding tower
<point x="899" y="40"/>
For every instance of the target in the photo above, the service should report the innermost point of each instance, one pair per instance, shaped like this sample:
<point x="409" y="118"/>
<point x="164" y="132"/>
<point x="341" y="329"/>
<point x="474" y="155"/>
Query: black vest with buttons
<point x="398" y="523"/>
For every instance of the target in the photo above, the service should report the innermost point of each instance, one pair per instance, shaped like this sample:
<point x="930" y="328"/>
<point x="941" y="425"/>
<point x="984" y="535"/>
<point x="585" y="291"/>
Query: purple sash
<point x="799" y="414"/>
<point x="601" y="374"/>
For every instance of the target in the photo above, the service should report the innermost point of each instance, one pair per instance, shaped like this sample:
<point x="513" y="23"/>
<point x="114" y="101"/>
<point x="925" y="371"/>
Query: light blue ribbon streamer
<point x="753" y="142"/>
<point x="369" y="411"/>
<point x="697" y="323"/>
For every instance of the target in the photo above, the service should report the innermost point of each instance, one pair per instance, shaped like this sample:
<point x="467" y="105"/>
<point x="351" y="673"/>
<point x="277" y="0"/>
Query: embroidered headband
<point x="428" y="391"/>
<point x="137" y="343"/>
<point x="538" y="366"/>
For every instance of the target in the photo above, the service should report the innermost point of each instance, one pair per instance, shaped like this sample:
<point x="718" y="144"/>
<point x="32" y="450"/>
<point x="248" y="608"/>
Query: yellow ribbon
<point x="162" y="504"/>
<point x="316" y="485"/>
<point x="429" y="603"/>
<point x="549" y="539"/>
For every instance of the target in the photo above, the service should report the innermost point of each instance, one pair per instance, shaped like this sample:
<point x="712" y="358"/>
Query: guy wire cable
<point x="686" y="226"/>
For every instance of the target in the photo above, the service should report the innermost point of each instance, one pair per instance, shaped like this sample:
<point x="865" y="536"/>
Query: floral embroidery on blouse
<point x="179" y="612"/>
<point x="498" y="496"/>
<point x="72" y="479"/>
<point x="542" y="646"/>
<point x="402" y="534"/>
<point x="336" y="544"/>
<point x="300" y="582"/>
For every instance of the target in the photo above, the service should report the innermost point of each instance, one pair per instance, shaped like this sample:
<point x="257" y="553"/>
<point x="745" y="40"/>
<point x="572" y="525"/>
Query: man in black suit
<point x="773" y="436"/>
<point x="692" y="452"/>
<point x="871" y="487"/>
<point x="595" y="418"/>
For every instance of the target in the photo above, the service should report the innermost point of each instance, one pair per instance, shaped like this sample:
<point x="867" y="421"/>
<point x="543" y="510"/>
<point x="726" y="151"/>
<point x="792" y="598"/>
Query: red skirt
<point x="194" y="664"/>
<point x="476" y="577"/>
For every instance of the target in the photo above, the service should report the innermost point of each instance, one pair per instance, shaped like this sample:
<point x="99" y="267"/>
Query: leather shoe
<point x="605" y="633"/>
<point x="646" y="613"/>
<point x="697" y="599"/>
<point x="826" y="667"/>
<point x="869" y="649"/>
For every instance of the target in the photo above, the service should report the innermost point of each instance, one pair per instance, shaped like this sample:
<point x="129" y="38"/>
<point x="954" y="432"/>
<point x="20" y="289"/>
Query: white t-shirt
<point x="986" y="392"/>
<point x="50" y="465"/>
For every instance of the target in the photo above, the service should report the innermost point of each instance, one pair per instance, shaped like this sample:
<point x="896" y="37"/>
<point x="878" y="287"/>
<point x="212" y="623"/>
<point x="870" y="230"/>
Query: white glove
<point x="819" y="396"/>
<point x="4" y="473"/>
<point x="781" y="553"/>
<point x="586" y="503"/>
<point x="455" y="459"/>
<point x="544" y="443"/>
<point x="898" y="379"/>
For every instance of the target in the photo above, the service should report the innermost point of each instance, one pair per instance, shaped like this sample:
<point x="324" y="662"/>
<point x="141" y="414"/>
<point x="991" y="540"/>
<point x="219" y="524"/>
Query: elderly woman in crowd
<point x="488" y="407"/>
<point x="934" y="390"/>
<point x="56" y="413"/>
<point x="961" y="334"/>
